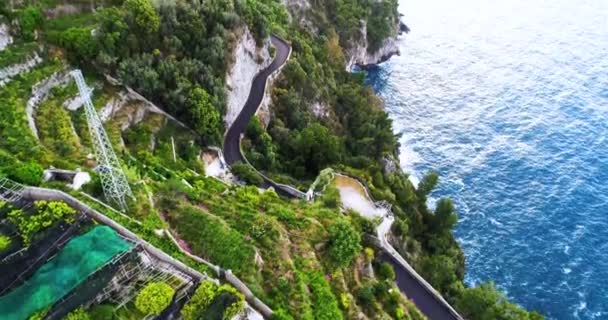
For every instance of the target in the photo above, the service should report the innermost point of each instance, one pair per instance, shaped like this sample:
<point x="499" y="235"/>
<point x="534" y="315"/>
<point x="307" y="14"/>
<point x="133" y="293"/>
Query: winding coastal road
<point x="232" y="152"/>
<point x="411" y="287"/>
<point x="232" y="139"/>
<point x="416" y="288"/>
<point x="406" y="280"/>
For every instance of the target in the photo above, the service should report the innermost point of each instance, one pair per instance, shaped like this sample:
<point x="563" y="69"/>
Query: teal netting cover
<point x="79" y="259"/>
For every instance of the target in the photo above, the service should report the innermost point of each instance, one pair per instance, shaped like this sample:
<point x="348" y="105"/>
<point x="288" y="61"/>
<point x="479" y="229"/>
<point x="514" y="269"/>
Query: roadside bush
<point x="154" y="298"/>
<point x="385" y="271"/>
<point x="246" y="173"/>
<point x="331" y="197"/>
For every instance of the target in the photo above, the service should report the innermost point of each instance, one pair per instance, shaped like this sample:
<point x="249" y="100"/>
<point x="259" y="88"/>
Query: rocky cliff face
<point x="248" y="61"/>
<point x="359" y="55"/>
<point x="13" y="70"/>
<point x="5" y="37"/>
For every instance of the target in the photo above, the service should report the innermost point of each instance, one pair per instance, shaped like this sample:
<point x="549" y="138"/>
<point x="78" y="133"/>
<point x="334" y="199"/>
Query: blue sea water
<point x="508" y="101"/>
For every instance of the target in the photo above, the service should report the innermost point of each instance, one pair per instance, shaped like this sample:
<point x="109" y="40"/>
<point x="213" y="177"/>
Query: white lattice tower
<point x="113" y="180"/>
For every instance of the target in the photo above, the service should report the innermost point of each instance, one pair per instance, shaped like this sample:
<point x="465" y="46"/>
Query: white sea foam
<point x="495" y="222"/>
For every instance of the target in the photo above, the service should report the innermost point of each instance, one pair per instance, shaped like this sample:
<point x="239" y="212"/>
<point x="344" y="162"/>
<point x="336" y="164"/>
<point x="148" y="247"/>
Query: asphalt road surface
<point x="231" y="150"/>
<point x="424" y="300"/>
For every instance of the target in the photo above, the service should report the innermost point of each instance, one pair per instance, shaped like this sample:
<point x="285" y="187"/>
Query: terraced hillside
<point x="288" y="252"/>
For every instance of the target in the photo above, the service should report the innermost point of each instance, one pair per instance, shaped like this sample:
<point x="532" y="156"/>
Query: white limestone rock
<point x="5" y="37"/>
<point x="248" y="61"/>
<point x="359" y="55"/>
<point x="16" y="69"/>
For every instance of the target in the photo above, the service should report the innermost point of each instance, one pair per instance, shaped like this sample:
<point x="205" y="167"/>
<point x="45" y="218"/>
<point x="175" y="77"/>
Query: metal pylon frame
<point x="114" y="182"/>
<point x="10" y="191"/>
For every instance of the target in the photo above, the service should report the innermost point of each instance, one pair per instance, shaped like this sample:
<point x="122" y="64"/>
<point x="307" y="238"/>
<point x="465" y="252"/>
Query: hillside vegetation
<point x="305" y="260"/>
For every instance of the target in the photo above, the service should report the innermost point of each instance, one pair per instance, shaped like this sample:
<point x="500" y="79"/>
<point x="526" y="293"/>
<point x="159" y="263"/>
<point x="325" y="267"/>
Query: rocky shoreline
<point x="360" y="56"/>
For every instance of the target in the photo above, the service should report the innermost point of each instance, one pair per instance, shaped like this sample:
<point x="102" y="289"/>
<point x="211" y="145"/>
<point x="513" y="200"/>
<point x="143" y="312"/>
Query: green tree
<point x="486" y="303"/>
<point x="154" y="298"/>
<point x="439" y="271"/>
<point x="445" y="216"/>
<point x="78" y="314"/>
<point x="80" y="43"/>
<point x="30" y="18"/>
<point x="143" y="13"/>
<point x="344" y="243"/>
<point x="317" y="148"/>
<point x="203" y="114"/>
<point x="427" y="184"/>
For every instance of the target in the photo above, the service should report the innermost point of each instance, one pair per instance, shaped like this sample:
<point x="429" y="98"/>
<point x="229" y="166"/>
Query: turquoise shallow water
<point x="509" y="103"/>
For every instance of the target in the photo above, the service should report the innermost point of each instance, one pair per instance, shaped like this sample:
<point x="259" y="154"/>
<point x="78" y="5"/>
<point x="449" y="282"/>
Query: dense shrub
<point x="325" y="302"/>
<point x="30" y="18"/>
<point x="237" y="304"/>
<point x="331" y="197"/>
<point x="385" y="271"/>
<point x="29" y="173"/>
<point x="485" y="302"/>
<point x="154" y="298"/>
<point x="213" y="302"/>
<point x="102" y="312"/>
<point x="79" y="42"/>
<point x="203" y="297"/>
<point x="5" y="242"/>
<point x="78" y="314"/>
<point x="46" y="215"/>
<point x="382" y="23"/>
<point x="344" y="243"/>
<point x="246" y="173"/>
